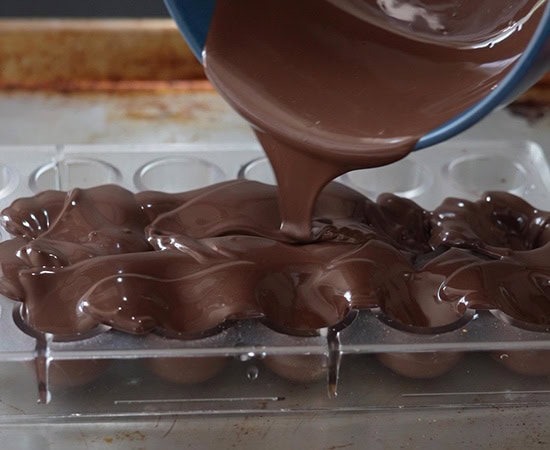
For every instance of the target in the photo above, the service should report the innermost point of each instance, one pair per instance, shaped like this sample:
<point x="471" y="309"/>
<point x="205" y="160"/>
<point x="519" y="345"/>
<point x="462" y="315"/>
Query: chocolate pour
<point x="305" y="185"/>
<point x="216" y="255"/>
<point x="326" y="92"/>
<point x="189" y="263"/>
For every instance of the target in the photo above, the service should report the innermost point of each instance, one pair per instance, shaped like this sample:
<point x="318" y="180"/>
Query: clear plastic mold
<point x="368" y="363"/>
<point x="406" y="178"/>
<point x="71" y="173"/>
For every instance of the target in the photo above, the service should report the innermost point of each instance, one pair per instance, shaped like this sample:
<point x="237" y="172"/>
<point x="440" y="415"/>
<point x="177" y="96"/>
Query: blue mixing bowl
<point x="193" y="19"/>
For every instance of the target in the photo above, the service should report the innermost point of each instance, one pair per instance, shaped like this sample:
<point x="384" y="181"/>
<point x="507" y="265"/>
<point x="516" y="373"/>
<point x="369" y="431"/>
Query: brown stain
<point x="190" y="103"/>
<point x="537" y="95"/>
<point x="545" y="79"/>
<point x="130" y="436"/>
<point x="127" y="87"/>
<point x="534" y="104"/>
<point x="165" y="109"/>
<point x="531" y="109"/>
<point x="106" y="55"/>
<point x="57" y="51"/>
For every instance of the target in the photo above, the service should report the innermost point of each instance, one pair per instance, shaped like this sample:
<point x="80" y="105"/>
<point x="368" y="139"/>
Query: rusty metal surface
<point x="28" y="118"/>
<point x="108" y="55"/>
<point x="56" y="53"/>
<point x="122" y="81"/>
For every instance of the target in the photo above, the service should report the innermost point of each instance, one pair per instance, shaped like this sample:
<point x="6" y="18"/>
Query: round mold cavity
<point x="481" y="173"/>
<point x="177" y="174"/>
<point x="346" y="321"/>
<point x="258" y="169"/>
<point x="525" y="362"/>
<point x="73" y="173"/>
<point x="298" y="368"/>
<point x="65" y="373"/>
<point x="422" y="365"/>
<point x="75" y="373"/>
<point x="452" y="326"/>
<point x="190" y="370"/>
<point x="18" y="316"/>
<point x="512" y="321"/>
<point x="534" y="363"/>
<point x="405" y="178"/>
<point x="9" y="179"/>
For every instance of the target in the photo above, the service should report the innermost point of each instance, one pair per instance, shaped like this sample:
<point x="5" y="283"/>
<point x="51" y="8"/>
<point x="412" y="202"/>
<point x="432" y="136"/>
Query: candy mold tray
<point x="365" y="365"/>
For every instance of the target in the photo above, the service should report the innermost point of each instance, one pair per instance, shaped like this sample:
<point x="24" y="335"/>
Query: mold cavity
<point x="394" y="323"/>
<point x="73" y="173"/>
<point x="478" y="174"/>
<point x="512" y="321"/>
<point x="9" y="180"/>
<point x="18" y="315"/>
<point x="177" y="174"/>
<point x="258" y="170"/>
<point x="405" y="178"/>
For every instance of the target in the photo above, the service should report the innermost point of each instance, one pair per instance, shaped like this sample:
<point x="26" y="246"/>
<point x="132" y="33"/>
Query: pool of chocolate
<point x="189" y="264"/>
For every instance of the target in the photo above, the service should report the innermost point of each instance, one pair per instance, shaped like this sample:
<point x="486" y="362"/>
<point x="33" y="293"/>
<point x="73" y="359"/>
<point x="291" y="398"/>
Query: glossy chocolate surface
<point x="326" y="93"/>
<point x="186" y="264"/>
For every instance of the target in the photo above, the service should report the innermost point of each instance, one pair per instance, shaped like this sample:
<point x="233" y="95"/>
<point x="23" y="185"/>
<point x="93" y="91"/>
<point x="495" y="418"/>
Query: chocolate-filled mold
<point x="540" y="326"/>
<point x="18" y="316"/>
<point x="298" y="368"/>
<point x="189" y="370"/>
<point x="62" y="373"/>
<point x="424" y="328"/>
<point x="75" y="373"/>
<point x="420" y="365"/>
<point x="414" y="305"/>
<point x="189" y="263"/>
<point x="525" y="362"/>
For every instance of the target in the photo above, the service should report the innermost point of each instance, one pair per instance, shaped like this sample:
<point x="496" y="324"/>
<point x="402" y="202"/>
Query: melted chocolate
<point x="187" y="264"/>
<point x="327" y="92"/>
